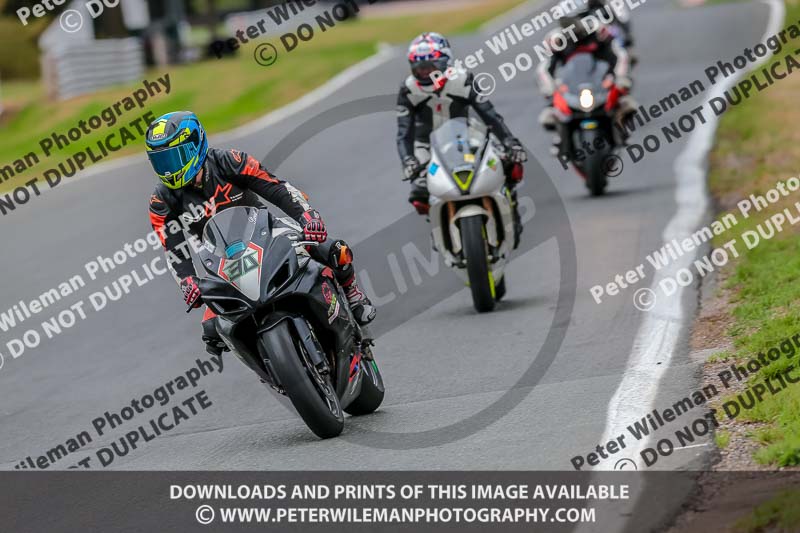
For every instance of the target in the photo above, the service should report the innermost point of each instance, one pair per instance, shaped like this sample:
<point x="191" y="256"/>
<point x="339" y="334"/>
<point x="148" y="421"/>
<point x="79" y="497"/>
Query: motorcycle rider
<point x="198" y="181"/>
<point x="602" y="46"/>
<point x="434" y="94"/>
<point x="615" y="16"/>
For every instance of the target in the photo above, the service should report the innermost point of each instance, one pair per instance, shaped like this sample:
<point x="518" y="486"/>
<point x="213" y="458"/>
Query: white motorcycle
<point x="471" y="209"/>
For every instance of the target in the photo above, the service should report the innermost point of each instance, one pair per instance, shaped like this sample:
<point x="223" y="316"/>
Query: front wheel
<point x="481" y="281"/>
<point x="311" y="393"/>
<point x="372" y="390"/>
<point x="595" y="165"/>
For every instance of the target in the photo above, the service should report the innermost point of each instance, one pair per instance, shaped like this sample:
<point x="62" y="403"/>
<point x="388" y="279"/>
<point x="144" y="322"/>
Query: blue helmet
<point x="177" y="147"/>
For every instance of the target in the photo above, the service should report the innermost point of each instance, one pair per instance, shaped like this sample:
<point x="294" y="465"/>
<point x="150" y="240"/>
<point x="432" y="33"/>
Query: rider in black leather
<point x="197" y="182"/>
<point x="619" y="16"/>
<point x="602" y="45"/>
<point x="427" y="100"/>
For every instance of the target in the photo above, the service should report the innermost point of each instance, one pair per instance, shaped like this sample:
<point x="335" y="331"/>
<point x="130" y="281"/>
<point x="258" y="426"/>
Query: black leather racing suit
<point x="421" y="109"/>
<point x="600" y="44"/>
<point x="230" y="178"/>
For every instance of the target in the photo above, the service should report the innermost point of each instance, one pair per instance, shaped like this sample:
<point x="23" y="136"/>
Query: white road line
<point x="678" y="448"/>
<point x="659" y="333"/>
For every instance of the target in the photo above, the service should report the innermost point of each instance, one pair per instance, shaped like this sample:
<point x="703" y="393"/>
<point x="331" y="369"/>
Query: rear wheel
<point x="481" y="282"/>
<point x="311" y="393"/>
<point x="372" y="390"/>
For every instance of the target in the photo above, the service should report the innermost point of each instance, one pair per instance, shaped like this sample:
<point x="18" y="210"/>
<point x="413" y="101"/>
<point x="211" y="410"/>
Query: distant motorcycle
<point x="286" y="317"/>
<point x="471" y="210"/>
<point x="585" y="102"/>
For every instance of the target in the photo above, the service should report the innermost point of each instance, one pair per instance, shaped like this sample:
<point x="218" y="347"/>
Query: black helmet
<point x="575" y="20"/>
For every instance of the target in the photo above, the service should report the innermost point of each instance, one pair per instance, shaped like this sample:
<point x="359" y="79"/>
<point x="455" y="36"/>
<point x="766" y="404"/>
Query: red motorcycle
<point x="585" y="103"/>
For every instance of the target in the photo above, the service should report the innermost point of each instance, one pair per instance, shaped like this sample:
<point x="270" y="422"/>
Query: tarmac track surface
<point x="442" y="362"/>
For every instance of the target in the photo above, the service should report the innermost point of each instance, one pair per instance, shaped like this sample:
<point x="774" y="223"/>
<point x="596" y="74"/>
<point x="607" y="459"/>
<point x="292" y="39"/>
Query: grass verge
<point x="758" y="145"/>
<point x="778" y="514"/>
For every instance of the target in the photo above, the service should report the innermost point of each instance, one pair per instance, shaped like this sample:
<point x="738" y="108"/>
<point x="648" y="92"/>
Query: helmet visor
<point x="424" y="70"/>
<point x="172" y="160"/>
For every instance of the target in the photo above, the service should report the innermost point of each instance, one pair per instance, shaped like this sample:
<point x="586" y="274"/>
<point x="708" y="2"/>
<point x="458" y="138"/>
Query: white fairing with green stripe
<point x="466" y="178"/>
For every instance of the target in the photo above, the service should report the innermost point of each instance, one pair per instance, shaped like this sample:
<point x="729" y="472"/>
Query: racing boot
<point x="622" y="119"/>
<point x="419" y="196"/>
<point x="512" y="193"/>
<point x="360" y="305"/>
<point x="555" y="148"/>
<point x="514" y="175"/>
<point x="547" y="118"/>
<point x="342" y="259"/>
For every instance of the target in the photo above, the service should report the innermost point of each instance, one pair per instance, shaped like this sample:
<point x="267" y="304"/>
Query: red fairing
<point x="561" y="104"/>
<point x="354" y="365"/>
<point x="613" y="98"/>
<point x="209" y="314"/>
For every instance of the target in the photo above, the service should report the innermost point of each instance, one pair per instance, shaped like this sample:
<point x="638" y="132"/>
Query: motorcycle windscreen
<point x="229" y="235"/>
<point x="457" y="143"/>
<point x="583" y="69"/>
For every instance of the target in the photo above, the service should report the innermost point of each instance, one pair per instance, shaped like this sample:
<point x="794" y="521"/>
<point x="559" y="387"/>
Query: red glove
<point x="191" y="291"/>
<point x="314" y="229"/>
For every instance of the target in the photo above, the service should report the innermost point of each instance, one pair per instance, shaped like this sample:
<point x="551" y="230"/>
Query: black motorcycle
<point x="585" y="102"/>
<point x="286" y="317"/>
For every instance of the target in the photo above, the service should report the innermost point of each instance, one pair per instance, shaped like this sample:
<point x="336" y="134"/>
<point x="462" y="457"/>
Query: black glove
<point x="412" y="168"/>
<point x="515" y="151"/>
<point x="314" y="229"/>
<point x="191" y="291"/>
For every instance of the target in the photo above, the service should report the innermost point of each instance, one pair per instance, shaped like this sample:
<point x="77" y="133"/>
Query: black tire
<point x="595" y="166"/>
<point x="480" y="282"/>
<point x="500" y="289"/>
<point x="323" y="416"/>
<point x="372" y="391"/>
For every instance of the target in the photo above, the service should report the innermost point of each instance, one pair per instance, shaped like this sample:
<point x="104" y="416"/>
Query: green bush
<point x="19" y="50"/>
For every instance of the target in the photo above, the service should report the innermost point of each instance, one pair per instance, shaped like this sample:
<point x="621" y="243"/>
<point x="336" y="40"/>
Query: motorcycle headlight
<point x="587" y="99"/>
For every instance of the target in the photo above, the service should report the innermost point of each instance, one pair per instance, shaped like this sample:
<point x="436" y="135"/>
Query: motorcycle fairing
<point x="483" y="194"/>
<point x="244" y="273"/>
<point x="289" y="283"/>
